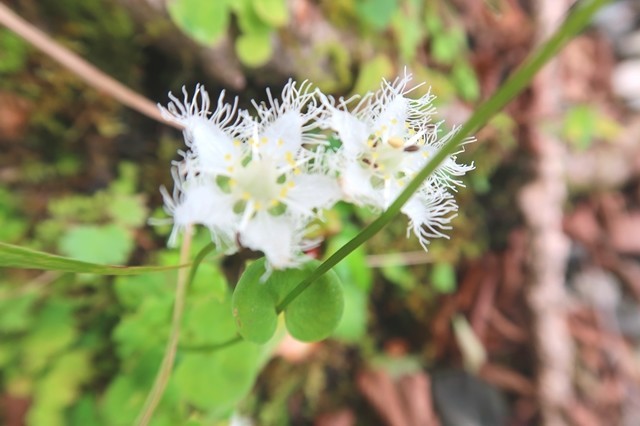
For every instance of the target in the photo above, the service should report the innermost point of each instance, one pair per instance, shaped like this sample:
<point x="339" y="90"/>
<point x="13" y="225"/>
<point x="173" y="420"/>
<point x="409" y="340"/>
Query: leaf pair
<point x="312" y="316"/>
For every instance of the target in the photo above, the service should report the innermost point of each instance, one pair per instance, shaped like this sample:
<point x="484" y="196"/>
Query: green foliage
<point x="204" y="20"/>
<point x="443" y="277"/>
<point x="272" y="12"/>
<point x="207" y="22"/>
<point x="357" y="279"/>
<point x="376" y="13"/>
<point x="212" y="381"/>
<point x="13" y="222"/>
<point x="85" y="353"/>
<point x="254" y="49"/>
<point x="108" y="244"/>
<point x="583" y="124"/>
<point x="313" y="315"/>
<point x="408" y="30"/>
<point x="13" y="52"/>
<point x="371" y="72"/>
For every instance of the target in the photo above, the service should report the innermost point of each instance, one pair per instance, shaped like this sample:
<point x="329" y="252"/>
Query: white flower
<point x="251" y="181"/>
<point x="386" y="140"/>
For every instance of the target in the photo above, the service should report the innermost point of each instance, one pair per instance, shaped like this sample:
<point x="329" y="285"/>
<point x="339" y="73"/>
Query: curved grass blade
<point x="12" y="256"/>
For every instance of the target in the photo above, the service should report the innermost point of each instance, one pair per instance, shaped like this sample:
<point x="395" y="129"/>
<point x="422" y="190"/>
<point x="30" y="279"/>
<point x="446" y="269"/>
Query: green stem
<point x="214" y="347"/>
<point x="578" y="18"/>
<point x="162" y="378"/>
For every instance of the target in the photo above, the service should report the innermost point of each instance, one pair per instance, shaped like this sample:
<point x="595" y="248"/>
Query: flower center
<point x="261" y="184"/>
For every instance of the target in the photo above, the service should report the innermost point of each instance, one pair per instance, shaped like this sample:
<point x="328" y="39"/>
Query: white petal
<point x="429" y="214"/>
<point x="214" y="148"/>
<point x="353" y="132"/>
<point x="274" y="236"/>
<point x="356" y="185"/>
<point x="312" y="191"/>
<point x="283" y="134"/>
<point x="206" y="205"/>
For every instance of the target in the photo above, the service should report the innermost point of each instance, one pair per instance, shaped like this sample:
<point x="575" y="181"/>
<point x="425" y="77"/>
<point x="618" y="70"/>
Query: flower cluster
<point x="259" y="181"/>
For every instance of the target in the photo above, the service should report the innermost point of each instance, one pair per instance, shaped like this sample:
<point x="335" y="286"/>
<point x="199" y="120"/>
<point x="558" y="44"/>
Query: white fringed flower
<point x="251" y="181"/>
<point x="386" y="140"/>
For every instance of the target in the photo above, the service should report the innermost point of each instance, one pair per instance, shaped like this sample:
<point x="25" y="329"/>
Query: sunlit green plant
<point x="255" y="288"/>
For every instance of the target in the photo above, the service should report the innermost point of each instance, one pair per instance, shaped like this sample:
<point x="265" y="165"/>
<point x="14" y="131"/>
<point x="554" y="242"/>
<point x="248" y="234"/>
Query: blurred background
<point x="528" y="314"/>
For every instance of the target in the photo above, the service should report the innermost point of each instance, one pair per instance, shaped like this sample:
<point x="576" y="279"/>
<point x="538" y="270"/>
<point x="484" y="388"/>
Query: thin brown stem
<point x="89" y="73"/>
<point x="160" y="383"/>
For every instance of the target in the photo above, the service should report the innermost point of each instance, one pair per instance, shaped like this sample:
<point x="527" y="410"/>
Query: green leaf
<point x="13" y="52"/>
<point x="311" y="316"/>
<point x="273" y="12"/>
<point x="409" y="33"/>
<point x="53" y="330"/>
<point x="584" y="123"/>
<point x="371" y="73"/>
<point x="254" y="305"/>
<point x="12" y="256"/>
<point x="128" y="211"/>
<point x="316" y="312"/>
<point x="353" y="269"/>
<point x="254" y="49"/>
<point x="377" y="13"/>
<point x="466" y="81"/>
<point x="248" y="19"/>
<point x="15" y="313"/>
<point x="216" y="381"/>
<point x="205" y="21"/>
<point x="353" y="324"/>
<point x="443" y="277"/>
<point x="98" y="244"/>
<point x="447" y="46"/>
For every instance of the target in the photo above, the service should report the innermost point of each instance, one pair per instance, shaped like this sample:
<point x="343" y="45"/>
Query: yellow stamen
<point x="396" y="142"/>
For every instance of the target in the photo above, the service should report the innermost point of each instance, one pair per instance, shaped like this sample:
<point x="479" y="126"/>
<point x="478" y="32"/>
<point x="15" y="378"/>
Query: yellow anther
<point x="284" y="192"/>
<point x="288" y="156"/>
<point x="291" y="184"/>
<point x="264" y="140"/>
<point x="236" y="142"/>
<point x="228" y="157"/>
<point x="370" y="143"/>
<point x="230" y="169"/>
<point x="280" y="142"/>
<point x="396" y="142"/>
<point x="394" y="121"/>
<point x="257" y="205"/>
<point x="246" y="196"/>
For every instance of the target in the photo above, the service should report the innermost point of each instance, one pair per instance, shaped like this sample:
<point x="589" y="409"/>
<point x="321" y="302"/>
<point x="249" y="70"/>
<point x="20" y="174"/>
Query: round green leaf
<point x="254" y="305"/>
<point x="205" y="21"/>
<point x="317" y="311"/>
<point x="273" y="12"/>
<point x="254" y="49"/>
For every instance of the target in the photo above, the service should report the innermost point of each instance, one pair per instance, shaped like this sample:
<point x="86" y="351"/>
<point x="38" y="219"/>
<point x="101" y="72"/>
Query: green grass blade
<point x="12" y="256"/>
